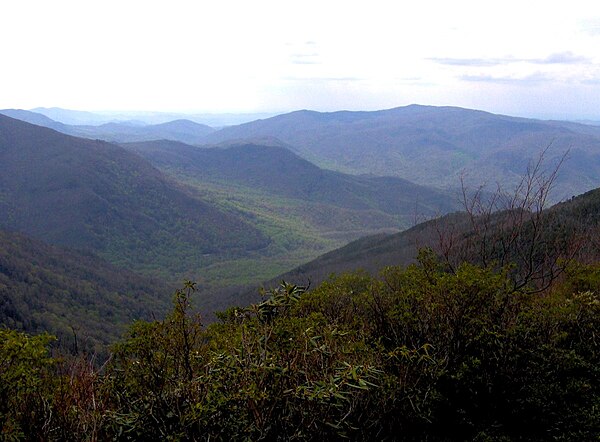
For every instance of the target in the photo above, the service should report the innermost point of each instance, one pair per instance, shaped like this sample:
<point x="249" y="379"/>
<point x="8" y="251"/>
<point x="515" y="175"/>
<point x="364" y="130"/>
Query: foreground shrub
<point x="415" y="354"/>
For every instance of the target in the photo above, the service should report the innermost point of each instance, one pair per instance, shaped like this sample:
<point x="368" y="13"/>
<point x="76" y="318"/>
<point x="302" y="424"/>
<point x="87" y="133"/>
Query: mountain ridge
<point x="179" y="130"/>
<point x="94" y="195"/>
<point x="434" y="146"/>
<point x="372" y="253"/>
<point x="280" y="171"/>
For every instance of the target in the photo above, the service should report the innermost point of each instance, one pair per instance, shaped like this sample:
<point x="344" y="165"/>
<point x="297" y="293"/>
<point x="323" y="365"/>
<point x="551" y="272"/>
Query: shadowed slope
<point x="97" y="196"/>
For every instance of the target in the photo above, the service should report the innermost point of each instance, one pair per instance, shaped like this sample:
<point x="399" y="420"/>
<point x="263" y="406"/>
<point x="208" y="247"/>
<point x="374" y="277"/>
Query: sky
<point x="526" y="58"/>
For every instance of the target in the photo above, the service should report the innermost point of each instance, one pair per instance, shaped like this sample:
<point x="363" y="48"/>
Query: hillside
<point x="433" y="145"/>
<point x="61" y="291"/>
<point x="279" y="171"/>
<point x="97" y="196"/>
<point x="566" y="230"/>
<point x="305" y="210"/>
<point x="35" y="118"/>
<point x="567" y="221"/>
<point x="71" y="117"/>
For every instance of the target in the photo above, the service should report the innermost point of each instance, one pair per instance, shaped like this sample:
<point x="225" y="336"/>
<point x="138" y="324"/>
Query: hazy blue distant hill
<point x="72" y="117"/>
<point x="61" y="291"/>
<point x="279" y="171"/>
<point x="35" y="118"/>
<point x="98" y="196"/>
<point x="179" y="130"/>
<point x="434" y="145"/>
<point x="122" y="131"/>
<point x="589" y="122"/>
<point x="96" y="118"/>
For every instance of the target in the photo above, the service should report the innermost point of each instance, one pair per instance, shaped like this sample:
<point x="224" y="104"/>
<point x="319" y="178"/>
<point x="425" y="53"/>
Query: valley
<point x="299" y="221"/>
<point x="305" y="210"/>
<point x="375" y="286"/>
<point x="232" y="216"/>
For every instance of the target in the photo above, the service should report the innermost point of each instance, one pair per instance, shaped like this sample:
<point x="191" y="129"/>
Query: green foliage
<point x="82" y="300"/>
<point x="417" y="354"/>
<point x="150" y="377"/>
<point x="24" y="371"/>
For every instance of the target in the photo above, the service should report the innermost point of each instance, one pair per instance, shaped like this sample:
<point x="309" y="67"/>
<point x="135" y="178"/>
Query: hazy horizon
<point x="534" y="59"/>
<point x="123" y="114"/>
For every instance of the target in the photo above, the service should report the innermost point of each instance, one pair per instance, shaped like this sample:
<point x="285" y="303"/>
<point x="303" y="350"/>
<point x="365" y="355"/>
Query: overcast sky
<point x="529" y="58"/>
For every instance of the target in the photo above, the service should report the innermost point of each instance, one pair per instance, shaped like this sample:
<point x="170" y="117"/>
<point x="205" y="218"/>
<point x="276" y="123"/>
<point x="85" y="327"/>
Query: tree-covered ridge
<point x="97" y="196"/>
<point x="414" y="354"/>
<point x="279" y="171"/>
<point x="432" y="145"/>
<point x="72" y="295"/>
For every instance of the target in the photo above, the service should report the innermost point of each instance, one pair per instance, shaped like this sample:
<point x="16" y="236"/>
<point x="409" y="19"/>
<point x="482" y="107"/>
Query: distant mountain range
<point x="181" y="130"/>
<point x="97" y="196"/>
<point x="431" y="146"/>
<point x="36" y="118"/>
<point x="434" y="145"/>
<point x="83" y="118"/>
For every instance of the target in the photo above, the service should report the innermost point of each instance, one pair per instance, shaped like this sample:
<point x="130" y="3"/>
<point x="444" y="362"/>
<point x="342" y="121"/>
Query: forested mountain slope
<point x="180" y="130"/>
<point x="566" y="228"/>
<point x="97" y="196"/>
<point x="45" y="288"/>
<point x="279" y="171"/>
<point x="434" y="145"/>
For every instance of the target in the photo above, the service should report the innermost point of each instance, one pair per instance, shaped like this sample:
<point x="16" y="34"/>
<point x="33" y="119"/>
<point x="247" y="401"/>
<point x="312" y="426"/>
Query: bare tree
<point x="512" y="230"/>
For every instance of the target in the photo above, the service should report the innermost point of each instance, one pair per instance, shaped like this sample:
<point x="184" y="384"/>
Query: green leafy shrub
<point x="415" y="354"/>
<point x="25" y="374"/>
